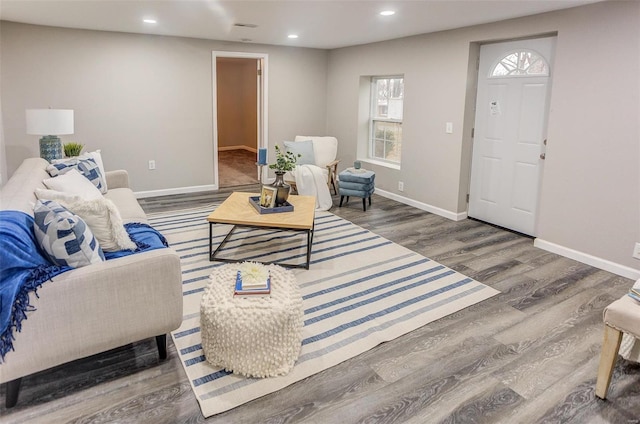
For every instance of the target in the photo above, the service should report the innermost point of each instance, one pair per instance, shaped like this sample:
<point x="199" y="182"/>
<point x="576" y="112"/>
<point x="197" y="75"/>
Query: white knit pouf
<point x="255" y="337"/>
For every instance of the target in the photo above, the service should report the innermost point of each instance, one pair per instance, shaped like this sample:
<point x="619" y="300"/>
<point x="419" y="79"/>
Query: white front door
<point x="514" y="80"/>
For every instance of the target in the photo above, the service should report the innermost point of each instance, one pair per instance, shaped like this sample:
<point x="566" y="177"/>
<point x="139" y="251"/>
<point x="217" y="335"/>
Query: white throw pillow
<point x="58" y="196"/>
<point x="73" y="182"/>
<point x="101" y="215"/>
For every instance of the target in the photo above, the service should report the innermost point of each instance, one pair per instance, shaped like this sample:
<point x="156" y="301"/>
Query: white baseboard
<point x="171" y="191"/>
<point x="247" y="148"/>
<point x="454" y="216"/>
<point x="603" y="264"/>
<point x="595" y="261"/>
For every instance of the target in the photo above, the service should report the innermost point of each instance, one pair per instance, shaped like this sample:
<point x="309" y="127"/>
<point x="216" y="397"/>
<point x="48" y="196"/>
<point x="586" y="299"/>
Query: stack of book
<point x="254" y="289"/>
<point x="634" y="293"/>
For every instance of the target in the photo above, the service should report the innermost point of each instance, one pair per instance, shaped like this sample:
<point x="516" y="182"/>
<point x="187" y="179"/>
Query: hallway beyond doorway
<point x="237" y="167"/>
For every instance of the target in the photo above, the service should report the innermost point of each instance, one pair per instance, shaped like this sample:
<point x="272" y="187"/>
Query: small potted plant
<point x="285" y="161"/>
<point x="72" y="149"/>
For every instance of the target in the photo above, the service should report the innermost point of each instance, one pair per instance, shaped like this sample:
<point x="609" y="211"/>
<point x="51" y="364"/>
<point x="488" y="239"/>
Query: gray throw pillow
<point x="303" y="148"/>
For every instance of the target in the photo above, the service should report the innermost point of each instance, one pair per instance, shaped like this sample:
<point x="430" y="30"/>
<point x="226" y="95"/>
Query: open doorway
<point x="238" y="116"/>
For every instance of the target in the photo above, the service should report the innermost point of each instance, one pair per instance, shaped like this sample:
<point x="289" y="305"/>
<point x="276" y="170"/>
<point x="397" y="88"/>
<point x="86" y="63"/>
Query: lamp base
<point x="50" y="147"/>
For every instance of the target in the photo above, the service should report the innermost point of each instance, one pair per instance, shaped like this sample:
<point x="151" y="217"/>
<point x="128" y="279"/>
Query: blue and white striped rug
<point x="361" y="290"/>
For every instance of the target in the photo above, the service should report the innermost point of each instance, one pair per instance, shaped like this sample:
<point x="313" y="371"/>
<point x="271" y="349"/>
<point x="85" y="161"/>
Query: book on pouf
<point x="262" y="288"/>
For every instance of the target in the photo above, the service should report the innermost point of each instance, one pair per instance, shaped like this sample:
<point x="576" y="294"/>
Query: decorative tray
<point x="255" y="202"/>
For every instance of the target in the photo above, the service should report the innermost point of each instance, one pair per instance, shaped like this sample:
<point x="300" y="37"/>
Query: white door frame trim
<point x="263" y="113"/>
<point x="474" y="140"/>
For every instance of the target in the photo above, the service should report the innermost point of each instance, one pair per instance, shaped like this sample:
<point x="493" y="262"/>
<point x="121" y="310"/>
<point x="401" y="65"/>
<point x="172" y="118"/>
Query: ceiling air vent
<point x="246" y="25"/>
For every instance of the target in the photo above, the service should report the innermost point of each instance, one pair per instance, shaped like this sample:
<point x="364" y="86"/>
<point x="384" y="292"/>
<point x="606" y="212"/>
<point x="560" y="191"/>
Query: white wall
<point x="3" y="155"/>
<point x="590" y="199"/>
<point x="149" y="97"/>
<point x="590" y="189"/>
<point x="140" y="97"/>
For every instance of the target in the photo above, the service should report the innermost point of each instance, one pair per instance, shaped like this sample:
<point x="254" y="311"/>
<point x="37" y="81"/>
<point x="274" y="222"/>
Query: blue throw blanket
<point x="144" y="236"/>
<point x="23" y="268"/>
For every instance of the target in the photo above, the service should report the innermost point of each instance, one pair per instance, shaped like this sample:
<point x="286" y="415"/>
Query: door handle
<point x="543" y="156"/>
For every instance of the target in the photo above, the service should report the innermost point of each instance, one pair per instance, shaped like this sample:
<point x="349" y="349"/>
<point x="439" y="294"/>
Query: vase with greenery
<point x="72" y="149"/>
<point x="285" y="161"/>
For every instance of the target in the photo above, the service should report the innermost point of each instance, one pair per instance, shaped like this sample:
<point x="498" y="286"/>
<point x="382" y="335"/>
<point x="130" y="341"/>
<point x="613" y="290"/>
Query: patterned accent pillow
<point x="95" y="155"/>
<point x="100" y="214"/>
<point x="86" y="166"/>
<point x="64" y="237"/>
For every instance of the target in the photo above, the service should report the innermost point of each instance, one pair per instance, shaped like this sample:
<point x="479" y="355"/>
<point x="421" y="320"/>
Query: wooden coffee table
<point x="237" y="211"/>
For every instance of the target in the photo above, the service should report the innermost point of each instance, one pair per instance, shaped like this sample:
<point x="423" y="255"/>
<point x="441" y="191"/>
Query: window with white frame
<point x="385" y="134"/>
<point x="522" y="63"/>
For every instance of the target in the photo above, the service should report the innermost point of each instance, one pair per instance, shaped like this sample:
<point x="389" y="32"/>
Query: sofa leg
<point x="341" y="199"/>
<point x="608" y="356"/>
<point x="364" y="204"/>
<point x="161" y="341"/>
<point x="13" y="389"/>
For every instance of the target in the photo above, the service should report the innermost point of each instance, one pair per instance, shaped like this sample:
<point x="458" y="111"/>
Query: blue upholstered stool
<point x="357" y="183"/>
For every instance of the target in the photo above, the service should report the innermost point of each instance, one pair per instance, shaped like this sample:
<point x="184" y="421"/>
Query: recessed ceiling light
<point x="149" y="21"/>
<point x="387" y="12"/>
<point x="292" y="36"/>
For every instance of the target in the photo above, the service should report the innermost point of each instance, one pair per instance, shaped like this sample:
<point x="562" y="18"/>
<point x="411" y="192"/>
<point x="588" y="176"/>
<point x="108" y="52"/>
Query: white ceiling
<point x="324" y="24"/>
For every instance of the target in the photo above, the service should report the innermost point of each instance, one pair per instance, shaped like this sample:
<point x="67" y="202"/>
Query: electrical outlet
<point x="152" y="164"/>
<point x="448" y="128"/>
<point x="636" y="251"/>
<point x="400" y="186"/>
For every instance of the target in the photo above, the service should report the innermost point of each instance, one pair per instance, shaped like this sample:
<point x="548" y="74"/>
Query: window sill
<point x="381" y="163"/>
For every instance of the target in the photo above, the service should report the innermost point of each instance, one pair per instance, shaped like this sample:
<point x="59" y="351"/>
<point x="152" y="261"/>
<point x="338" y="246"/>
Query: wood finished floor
<point x="528" y="355"/>
<point x="236" y="167"/>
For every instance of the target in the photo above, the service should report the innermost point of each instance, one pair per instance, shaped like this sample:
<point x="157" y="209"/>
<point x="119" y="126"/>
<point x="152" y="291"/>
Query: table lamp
<point x="50" y="123"/>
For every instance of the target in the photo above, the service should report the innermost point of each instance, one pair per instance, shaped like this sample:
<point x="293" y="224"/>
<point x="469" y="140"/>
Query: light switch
<point x="449" y="128"/>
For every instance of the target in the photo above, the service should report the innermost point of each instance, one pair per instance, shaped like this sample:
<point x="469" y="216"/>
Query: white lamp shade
<point x="49" y="121"/>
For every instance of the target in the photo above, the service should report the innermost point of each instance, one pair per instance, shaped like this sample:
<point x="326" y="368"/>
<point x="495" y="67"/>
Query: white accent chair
<point x="325" y="150"/>
<point x="622" y="316"/>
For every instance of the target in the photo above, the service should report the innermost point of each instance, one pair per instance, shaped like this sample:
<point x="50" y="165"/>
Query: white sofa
<point x="97" y="307"/>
